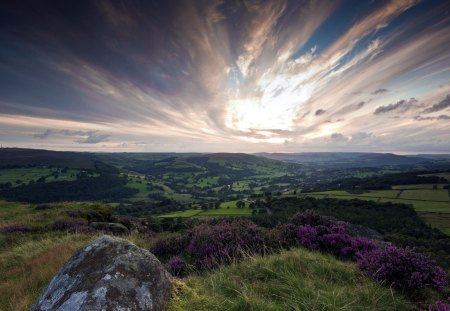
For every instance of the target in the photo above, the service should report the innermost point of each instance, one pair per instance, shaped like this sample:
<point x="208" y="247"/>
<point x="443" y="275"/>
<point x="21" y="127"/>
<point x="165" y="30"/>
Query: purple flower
<point x="16" y="229"/>
<point x="71" y="225"/>
<point x="224" y="242"/>
<point x="176" y="266"/>
<point x="171" y="246"/>
<point x="402" y="268"/>
<point x="307" y="237"/>
<point x="440" y="306"/>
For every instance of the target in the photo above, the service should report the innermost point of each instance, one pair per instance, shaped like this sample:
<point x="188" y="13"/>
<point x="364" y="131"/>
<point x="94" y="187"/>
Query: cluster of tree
<point x="103" y="187"/>
<point x="377" y="182"/>
<point x="398" y="223"/>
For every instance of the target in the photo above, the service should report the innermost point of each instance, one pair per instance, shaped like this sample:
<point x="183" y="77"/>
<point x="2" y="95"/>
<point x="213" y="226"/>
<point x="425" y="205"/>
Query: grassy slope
<point x="293" y="280"/>
<point x="27" y="267"/>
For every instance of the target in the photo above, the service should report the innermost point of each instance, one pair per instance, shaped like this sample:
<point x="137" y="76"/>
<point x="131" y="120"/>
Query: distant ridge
<point x="348" y="159"/>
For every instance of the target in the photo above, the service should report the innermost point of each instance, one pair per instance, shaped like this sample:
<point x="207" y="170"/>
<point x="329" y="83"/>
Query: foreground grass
<point x="293" y="280"/>
<point x="28" y="266"/>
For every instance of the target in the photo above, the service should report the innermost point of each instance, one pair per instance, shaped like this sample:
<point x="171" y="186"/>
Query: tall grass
<point x="27" y="267"/>
<point x="293" y="280"/>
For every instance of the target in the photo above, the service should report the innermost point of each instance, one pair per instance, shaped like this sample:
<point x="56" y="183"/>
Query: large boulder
<point x="111" y="227"/>
<point x="108" y="274"/>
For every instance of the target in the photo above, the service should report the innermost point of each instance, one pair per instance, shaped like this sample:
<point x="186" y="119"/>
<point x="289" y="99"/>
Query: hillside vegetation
<point x="292" y="280"/>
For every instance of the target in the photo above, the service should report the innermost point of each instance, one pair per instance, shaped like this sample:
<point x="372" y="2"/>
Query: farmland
<point x="432" y="204"/>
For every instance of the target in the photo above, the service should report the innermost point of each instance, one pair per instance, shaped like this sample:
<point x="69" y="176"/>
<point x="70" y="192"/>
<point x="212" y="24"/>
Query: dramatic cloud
<point x="218" y="75"/>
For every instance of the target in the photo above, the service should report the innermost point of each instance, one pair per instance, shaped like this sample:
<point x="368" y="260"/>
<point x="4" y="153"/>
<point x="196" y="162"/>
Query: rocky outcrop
<point x="112" y="227"/>
<point x="108" y="274"/>
<point x="134" y="224"/>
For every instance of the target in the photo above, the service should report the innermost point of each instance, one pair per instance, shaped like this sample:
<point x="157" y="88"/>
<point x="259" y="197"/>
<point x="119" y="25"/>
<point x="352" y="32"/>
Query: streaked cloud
<point x="226" y="75"/>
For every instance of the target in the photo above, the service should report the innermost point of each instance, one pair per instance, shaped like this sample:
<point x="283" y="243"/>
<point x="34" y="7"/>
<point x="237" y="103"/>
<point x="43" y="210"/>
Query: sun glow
<point x="274" y="109"/>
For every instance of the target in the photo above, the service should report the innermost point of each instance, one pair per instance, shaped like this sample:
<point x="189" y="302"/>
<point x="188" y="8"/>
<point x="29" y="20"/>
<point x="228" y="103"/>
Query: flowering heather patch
<point x="402" y="268"/>
<point x="308" y="237"/>
<point x="221" y="243"/>
<point x="16" y="229"/>
<point x="71" y="225"/>
<point x="440" y="306"/>
<point x="176" y="266"/>
<point x="171" y="246"/>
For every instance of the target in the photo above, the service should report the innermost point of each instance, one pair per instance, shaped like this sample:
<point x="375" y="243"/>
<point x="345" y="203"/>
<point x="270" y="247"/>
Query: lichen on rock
<point x="108" y="274"/>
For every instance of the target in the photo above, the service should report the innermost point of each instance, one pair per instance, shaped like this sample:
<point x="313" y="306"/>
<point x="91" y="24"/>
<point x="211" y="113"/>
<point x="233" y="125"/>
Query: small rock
<point x="108" y="274"/>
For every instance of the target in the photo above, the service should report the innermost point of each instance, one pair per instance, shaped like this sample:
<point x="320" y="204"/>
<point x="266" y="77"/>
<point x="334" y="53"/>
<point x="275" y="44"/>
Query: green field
<point x="438" y="220"/>
<point x="431" y="204"/>
<point x="426" y="195"/>
<point x="207" y="182"/>
<point x="226" y="209"/>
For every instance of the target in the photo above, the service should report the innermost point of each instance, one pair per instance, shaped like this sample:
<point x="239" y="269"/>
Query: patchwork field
<point x="432" y="204"/>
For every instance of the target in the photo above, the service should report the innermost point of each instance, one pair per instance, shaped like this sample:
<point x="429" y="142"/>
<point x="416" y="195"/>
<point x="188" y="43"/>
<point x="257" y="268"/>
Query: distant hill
<point x="211" y="164"/>
<point x="347" y="159"/>
<point x="18" y="157"/>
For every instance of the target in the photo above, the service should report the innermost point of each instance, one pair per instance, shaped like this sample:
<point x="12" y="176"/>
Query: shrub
<point x="345" y="246"/>
<point x="310" y="217"/>
<point x="171" y="246"/>
<point x="20" y="229"/>
<point x="176" y="266"/>
<point x="71" y="225"/>
<point x="212" y="245"/>
<point x="283" y="236"/>
<point x="402" y="268"/>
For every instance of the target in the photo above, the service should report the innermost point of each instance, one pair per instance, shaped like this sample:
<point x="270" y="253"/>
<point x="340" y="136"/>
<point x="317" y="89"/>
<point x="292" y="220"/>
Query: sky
<point x="226" y="76"/>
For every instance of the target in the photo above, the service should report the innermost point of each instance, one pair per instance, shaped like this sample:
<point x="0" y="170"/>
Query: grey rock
<point x="112" y="227"/>
<point x="134" y="224"/>
<point x="108" y="274"/>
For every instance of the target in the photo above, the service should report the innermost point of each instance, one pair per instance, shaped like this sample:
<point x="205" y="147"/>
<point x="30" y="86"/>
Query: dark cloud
<point x="89" y="137"/>
<point x="445" y="103"/>
<point x="380" y="91"/>
<point x="94" y="139"/>
<point x="43" y="135"/>
<point x="402" y="105"/>
<point x="338" y="137"/>
<point x="76" y="133"/>
<point x="319" y="112"/>
<point x="441" y="117"/>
